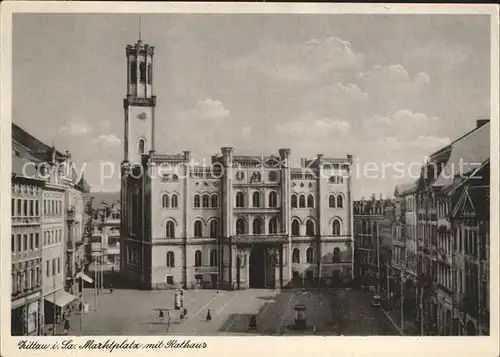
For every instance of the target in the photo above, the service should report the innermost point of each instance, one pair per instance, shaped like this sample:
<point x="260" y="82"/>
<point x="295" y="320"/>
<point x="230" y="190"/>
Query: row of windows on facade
<point x="55" y="264"/>
<point x="212" y="201"/>
<point x="257" y="227"/>
<point x="310" y="255"/>
<point x="25" y="242"/>
<point x="142" y="72"/>
<point x="26" y="280"/>
<point x="21" y="207"/>
<point x="198" y="261"/>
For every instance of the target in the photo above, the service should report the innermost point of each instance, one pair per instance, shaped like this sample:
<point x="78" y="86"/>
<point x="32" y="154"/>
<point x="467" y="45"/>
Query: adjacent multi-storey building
<point x="241" y="221"/>
<point x="106" y="233"/>
<point x="41" y="221"/>
<point x="26" y="271"/>
<point x="439" y="275"/>
<point x="368" y="217"/>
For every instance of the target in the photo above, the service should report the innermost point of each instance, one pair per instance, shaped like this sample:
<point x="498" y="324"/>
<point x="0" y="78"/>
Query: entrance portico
<point x="264" y="257"/>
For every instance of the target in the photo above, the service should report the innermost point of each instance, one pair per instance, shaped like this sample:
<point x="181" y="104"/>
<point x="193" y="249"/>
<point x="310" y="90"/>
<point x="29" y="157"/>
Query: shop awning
<point x="62" y="298"/>
<point x="85" y="277"/>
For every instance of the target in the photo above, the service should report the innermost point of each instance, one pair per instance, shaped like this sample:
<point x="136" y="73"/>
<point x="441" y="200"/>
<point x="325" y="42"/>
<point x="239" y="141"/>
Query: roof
<point x="35" y="146"/>
<point x="405" y="189"/>
<point x="101" y="197"/>
<point x="467" y="153"/>
<point x="480" y="198"/>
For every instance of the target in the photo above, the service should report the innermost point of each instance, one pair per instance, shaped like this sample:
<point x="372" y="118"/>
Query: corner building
<point x="239" y="222"/>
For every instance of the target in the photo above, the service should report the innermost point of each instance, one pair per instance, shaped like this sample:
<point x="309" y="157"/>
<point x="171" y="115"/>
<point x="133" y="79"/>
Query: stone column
<point x="321" y="190"/>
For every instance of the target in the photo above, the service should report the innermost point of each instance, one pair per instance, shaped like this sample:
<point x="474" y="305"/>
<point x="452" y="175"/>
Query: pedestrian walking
<point x="160" y="315"/>
<point x="209" y="315"/>
<point x="66" y="326"/>
<point x="111" y="288"/>
<point x="253" y="323"/>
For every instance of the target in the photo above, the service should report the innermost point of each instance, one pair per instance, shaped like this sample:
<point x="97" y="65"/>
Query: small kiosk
<point x="300" y="317"/>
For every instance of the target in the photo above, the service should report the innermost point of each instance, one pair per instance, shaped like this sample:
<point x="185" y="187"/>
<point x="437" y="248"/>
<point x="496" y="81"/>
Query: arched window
<point x="198" y="229"/>
<point x="295" y="256"/>
<point x="336" y="228"/>
<point x="273" y="225"/>
<point x="214" y="229"/>
<point x="150" y="74"/>
<point x="213" y="258"/>
<point x="295" y="228"/>
<point x="240" y="200"/>
<point x="214" y="201"/>
<point x="170" y="259"/>
<point x="302" y="201"/>
<point x="164" y="201"/>
<point x="256" y="199"/>
<point x="240" y="226"/>
<point x="175" y="201"/>
<point x="196" y="201"/>
<point x="309" y="255"/>
<point x="340" y="201"/>
<point x="133" y="72"/>
<point x="170" y="230"/>
<point x="310" y="227"/>
<point x="273" y="199"/>
<point x="331" y="201"/>
<point x="257" y="226"/>
<point x="197" y="258"/>
<point x="336" y="255"/>
<point x="294" y="201"/>
<point x="142" y="70"/>
<point x="310" y="201"/>
<point x="141" y="146"/>
<point x="206" y="201"/>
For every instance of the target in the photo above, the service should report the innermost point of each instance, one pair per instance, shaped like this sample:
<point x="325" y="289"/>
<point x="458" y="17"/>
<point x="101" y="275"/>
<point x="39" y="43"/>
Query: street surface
<point x="133" y="312"/>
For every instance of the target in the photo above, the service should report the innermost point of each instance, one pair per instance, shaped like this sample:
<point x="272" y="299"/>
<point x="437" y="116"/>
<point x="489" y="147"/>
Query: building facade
<point x="368" y="217"/>
<point x="241" y="221"/>
<point x="40" y="221"/>
<point x="26" y="294"/>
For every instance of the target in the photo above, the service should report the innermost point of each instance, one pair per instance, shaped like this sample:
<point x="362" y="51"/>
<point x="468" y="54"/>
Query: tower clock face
<point x="142" y="116"/>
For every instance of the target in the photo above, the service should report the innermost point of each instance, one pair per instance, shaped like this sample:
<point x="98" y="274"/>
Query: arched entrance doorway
<point x="448" y="323"/>
<point x="261" y="268"/>
<point x="471" y="329"/>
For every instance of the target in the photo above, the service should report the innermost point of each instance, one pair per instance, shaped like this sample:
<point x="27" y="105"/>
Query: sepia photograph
<point x="251" y="174"/>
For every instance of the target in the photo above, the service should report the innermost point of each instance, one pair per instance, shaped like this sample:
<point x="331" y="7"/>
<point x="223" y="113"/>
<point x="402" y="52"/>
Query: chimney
<point x="303" y="162"/>
<point x="481" y="122"/>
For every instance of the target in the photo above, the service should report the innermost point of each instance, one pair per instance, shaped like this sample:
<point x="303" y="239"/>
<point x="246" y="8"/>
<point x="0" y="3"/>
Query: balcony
<point x="259" y="238"/>
<point x="240" y="210"/>
<point x="25" y="221"/>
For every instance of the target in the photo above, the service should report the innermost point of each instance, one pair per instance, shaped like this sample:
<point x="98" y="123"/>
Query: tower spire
<point x="139" y="28"/>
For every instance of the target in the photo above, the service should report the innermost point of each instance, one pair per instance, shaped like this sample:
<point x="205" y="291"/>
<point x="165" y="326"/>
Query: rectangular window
<point x="142" y="71"/>
<point x="19" y="246"/>
<point x="58" y="265"/>
<point x="19" y="208"/>
<point x="150" y="73"/>
<point x="170" y="280"/>
<point x="25" y="242"/>
<point x="13" y="243"/>
<point x="37" y="241"/>
<point x="13" y="207"/>
<point x="48" y="268"/>
<point x="37" y="209"/>
<point x="53" y="204"/>
<point x="54" y="267"/>
<point x="25" y="208"/>
<point x="32" y="208"/>
<point x="32" y="243"/>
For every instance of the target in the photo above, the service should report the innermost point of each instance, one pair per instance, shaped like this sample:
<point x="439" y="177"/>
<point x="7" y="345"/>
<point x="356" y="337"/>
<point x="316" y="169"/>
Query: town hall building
<point x="240" y="222"/>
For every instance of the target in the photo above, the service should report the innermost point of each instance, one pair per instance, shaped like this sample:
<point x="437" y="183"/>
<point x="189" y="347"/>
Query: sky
<point x="388" y="89"/>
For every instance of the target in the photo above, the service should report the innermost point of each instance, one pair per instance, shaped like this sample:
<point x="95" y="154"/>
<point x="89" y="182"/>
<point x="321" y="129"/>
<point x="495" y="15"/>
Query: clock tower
<point x="139" y="104"/>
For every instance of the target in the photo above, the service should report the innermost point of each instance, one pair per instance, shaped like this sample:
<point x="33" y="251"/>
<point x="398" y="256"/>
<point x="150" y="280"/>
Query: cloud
<point x="307" y="61"/>
<point x="208" y="109"/>
<point x="445" y="54"/>
<point x="108" y="140"/>
<point x="312" y="127"/>
<point x="75" y="129"/>
<point x="402" y="124"/>
<point x="422" y="143"/>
